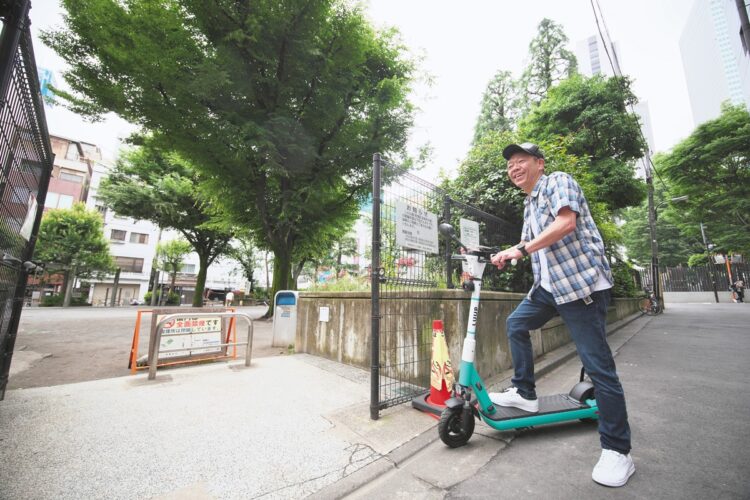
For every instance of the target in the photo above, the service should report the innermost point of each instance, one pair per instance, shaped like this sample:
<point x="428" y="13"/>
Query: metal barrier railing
<point x="153" y="359"/>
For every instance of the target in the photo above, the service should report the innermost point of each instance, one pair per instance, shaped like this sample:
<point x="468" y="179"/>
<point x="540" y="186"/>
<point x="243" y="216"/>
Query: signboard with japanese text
<point x="201" y="335"/>
<point x="416" y="228"/>
<point x="469" y="237"/>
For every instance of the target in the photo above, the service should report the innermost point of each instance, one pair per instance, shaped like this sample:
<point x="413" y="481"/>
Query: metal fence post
<point x="375" y="291"/>
<point x="447" y="245"/>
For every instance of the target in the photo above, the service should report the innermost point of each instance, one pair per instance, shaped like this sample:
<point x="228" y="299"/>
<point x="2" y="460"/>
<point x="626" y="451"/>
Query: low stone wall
<point x="345" y="337"/>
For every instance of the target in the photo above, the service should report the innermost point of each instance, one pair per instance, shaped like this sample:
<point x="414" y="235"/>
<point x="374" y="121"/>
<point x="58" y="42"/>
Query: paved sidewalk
<point x="282" y="428"/>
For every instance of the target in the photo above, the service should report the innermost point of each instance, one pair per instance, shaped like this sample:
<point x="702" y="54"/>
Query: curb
<point x="354" y="481"/>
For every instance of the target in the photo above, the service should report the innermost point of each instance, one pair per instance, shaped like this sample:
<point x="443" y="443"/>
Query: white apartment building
<point x="714" y="58"/>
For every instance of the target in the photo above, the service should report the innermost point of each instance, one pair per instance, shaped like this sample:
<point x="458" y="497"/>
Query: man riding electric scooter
<point x="572" y="278"/>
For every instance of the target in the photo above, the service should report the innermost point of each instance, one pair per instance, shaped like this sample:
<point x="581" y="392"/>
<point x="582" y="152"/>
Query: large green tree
<point x="592" y="113"/>
<point x="499" y="109"/>
<point x="550" y="62"/>
<point x="712" y="167"/>
<point x="280" y="103"/>
<point x="71" y="242"/>
<point x="148" y="183"/>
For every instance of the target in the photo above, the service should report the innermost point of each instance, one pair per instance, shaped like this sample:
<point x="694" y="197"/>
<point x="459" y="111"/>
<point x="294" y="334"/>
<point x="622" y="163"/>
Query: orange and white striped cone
<point x="441" y="375"/>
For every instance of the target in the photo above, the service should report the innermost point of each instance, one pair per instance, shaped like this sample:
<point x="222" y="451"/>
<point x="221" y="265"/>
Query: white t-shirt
<point x="601" y="283"/>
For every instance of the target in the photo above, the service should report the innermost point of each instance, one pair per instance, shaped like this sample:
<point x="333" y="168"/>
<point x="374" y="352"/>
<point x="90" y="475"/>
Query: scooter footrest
<point x="556" y="403"/>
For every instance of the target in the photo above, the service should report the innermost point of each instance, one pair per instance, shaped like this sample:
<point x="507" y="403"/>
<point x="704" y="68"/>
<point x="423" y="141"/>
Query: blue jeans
<point x="587" y="326"/>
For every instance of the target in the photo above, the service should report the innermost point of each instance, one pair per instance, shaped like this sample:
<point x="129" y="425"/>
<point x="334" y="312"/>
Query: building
<point x="596" y="59"/>
<point x="72" y="171"/>
<point x="714" y="58"/>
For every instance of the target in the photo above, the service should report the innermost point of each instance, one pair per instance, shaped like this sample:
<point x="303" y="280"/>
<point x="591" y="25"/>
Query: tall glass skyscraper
<point x="716" y="64"/>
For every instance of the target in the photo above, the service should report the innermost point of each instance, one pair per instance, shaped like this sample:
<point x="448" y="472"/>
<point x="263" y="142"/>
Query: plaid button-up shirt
<point x="577" y="260"/>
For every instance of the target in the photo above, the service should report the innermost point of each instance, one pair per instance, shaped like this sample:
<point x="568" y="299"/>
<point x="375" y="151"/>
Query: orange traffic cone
<point x="441" y="375"/>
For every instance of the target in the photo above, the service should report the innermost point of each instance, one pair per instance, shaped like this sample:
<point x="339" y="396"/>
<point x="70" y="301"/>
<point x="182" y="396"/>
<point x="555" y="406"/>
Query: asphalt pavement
<point x="685" y="375"/>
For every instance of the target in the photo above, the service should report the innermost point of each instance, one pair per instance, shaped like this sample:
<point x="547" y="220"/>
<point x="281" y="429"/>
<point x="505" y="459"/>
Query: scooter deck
<point x="557" y="403"/>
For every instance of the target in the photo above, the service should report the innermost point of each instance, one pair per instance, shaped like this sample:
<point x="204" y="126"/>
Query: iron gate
<point x="404" y="277"/>
<point x="26" y="162"/>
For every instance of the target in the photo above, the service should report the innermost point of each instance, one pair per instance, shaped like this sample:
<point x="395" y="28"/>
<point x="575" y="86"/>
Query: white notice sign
<point x="416" y="228"/>
<point x="470" y="233"/>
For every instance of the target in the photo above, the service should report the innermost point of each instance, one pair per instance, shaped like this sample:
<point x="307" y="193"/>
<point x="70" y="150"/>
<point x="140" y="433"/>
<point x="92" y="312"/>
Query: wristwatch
<point x="522" y="248"/>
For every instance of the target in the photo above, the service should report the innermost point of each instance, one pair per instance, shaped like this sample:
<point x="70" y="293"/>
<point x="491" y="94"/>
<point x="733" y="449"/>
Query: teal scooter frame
<point x="470" y="399"/>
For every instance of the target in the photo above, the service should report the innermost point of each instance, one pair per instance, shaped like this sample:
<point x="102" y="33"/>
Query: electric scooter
<point x="457" y="419"/>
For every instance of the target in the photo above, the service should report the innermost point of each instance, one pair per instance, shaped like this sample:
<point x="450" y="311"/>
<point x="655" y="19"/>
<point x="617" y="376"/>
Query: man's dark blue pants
<point x="587" y="326"/>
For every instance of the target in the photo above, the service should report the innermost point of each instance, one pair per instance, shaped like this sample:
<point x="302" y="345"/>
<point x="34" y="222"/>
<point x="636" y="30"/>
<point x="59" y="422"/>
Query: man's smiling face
<point x="524" y="170"/>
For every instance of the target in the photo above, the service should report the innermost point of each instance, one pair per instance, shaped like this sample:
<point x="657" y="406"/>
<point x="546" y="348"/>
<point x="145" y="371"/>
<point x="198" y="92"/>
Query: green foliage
<point x="173" y="299"/>
<point x="549" y="62"/>
<point x="592" y="115"/>
<point x="169" y="255"/>
<point x="624" y="285"/>
<point x="147" y="297"/>
<point x="712" y="167"/>
<point x="675" y="243"/>
<point x="699" y="260"/>
<point x="71" y="241"/>
<point x="279" y="104"/>
<point x="150" y="183"/>
<point x="345" y="284"/>
<point x="243" y="250"/>
<point x="57" y="301"/>
<point x="73" y="238"/>
<point x="499" y="110"/>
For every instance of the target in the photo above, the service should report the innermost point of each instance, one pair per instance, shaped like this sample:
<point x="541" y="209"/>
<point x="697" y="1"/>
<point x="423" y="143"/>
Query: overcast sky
<point x="462" y="45"/>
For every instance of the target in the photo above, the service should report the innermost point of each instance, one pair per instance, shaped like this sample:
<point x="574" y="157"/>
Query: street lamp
<point x="652" y="226"/>
<point x="709" y="246"/>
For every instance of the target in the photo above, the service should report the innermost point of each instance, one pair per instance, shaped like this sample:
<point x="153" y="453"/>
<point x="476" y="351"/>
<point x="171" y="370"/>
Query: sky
<point x="460" y="46"/>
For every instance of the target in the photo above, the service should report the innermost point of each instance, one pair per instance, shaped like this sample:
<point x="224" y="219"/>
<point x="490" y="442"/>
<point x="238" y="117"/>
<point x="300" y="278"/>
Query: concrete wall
<point x="696" y="297"/>
<point x="406" y="328"/>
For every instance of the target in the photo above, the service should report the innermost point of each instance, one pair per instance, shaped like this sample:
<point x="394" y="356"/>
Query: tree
<point x="499" y="109"/>
<point x="592" y="114"/>
<point x="170" y="255"/>
<point x="280" y="104"/>
<point x="712" y="167"/>
<point x="149" y="183"/>
<point x="244" y="251"/>
<point x="71" y="241"/>
<point x="483" y="182"/>
<point x="549" y="62"/>
<point x="675" y="245"/>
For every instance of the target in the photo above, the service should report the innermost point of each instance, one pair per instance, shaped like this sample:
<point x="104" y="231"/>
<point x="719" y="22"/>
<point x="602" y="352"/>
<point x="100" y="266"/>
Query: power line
<point x="615" y="65"/>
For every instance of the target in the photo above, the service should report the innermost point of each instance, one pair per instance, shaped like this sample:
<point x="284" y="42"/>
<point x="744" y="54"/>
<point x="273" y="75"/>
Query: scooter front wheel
<point x="453" y="430"/>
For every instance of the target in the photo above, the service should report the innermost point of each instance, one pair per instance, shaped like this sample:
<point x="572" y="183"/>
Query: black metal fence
<point x="26" y="163"/>
<point x="408" y="263"/>
<point x="698" y="279"/>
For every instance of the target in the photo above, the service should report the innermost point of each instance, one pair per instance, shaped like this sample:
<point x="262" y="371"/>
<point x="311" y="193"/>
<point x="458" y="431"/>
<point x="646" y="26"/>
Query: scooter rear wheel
<point x="451" y="427"/>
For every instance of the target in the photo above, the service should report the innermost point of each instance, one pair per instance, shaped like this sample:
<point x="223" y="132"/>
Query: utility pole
<point x="652" y="231"/>
<point x="713" y="268"/>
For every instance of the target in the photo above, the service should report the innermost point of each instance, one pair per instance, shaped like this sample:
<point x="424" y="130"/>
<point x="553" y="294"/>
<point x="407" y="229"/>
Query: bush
<point x="172" y="300"/>
<point x="57" y="301"/>
<point x="346" y="284"/>
<point x="624" y="285"/>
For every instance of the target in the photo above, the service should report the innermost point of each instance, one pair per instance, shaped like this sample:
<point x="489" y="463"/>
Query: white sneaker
<point x="510" y="397"/>
<point x="613" y="469"/>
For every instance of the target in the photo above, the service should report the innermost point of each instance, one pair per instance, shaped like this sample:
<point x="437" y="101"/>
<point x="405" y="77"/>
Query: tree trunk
<point x="200" y="282"/>
<point x="171" y="285"/>
<point x="282" y="275"/>
<point x="70" y="278"/>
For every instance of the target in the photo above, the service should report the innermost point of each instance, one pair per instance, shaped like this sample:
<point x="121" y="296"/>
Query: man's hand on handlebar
<point x="509" y="254"/>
